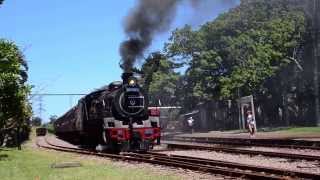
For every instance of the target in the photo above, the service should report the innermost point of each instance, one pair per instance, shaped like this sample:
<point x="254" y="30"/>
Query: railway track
<point x="278" y="143"/>
<point x="172" y="145"/>
<point x="197" y="164"/>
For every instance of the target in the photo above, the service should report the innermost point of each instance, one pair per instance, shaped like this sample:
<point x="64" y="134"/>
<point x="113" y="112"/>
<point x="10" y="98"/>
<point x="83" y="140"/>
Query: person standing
<point x="190" y="121"/>
<point x="251" y="124"/>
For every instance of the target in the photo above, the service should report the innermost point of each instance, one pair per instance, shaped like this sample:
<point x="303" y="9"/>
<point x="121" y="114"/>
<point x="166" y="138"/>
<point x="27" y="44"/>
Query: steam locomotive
<point x="115" y="117"/>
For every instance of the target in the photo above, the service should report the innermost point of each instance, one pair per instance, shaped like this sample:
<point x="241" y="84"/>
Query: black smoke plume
<point x="143" y="22"/>
<point x="148" y="18"/>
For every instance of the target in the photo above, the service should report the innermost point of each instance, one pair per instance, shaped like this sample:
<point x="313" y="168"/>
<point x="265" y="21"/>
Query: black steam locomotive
<point x="115" y="117"/>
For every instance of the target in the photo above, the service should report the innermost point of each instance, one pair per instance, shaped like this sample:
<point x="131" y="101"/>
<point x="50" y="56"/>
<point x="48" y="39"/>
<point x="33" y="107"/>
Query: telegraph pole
<point x="40" y="96"/>
<point x="41" y="108"/>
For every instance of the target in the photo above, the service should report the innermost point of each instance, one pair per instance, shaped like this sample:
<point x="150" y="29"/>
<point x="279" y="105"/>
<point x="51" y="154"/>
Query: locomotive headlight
<point x="132" y="82"/>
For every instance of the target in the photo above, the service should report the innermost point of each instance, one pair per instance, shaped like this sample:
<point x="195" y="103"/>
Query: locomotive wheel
<point x="112" y="145"/>
<point x="115" y="147"/>
<point x="158" y="141"/>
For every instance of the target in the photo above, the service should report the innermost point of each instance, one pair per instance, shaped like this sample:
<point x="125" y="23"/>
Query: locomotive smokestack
<point x="125" y="76"/>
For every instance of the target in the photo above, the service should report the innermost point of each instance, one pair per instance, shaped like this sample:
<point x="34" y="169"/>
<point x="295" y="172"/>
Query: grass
<point x="274" y="129"/>
<point x="302" y="130"/>
<point x="36" y="164"/>
<point x="278" y="129"/>
<point x="289" y="130"/>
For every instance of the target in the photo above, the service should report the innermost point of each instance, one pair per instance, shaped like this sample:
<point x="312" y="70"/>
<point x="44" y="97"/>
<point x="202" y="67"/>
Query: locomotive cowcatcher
<point x="115" y="117"/>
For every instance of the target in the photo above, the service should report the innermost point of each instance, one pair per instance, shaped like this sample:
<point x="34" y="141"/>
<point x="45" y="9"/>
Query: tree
<point x="240" y="49"/>
<point x="53" y="119"/>
<point x="160" y="79"/>
<point x="36" y="121"/>
<point x="261" y="47"/>
<point x="150" y="66"/>
<point x="15" y="110"/>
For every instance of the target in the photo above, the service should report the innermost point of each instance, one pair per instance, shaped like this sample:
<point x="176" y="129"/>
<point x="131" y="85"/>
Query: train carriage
<point x="41" y="131"/>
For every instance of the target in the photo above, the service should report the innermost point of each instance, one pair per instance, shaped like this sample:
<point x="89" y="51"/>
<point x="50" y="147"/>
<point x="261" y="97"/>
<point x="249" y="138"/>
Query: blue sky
<point x="72" y="46"/>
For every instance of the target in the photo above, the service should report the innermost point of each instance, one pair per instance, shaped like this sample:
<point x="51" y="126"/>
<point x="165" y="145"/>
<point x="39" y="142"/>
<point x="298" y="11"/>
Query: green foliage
<point x="36" y="121"/>
<point x="50" y="125"/>
<point x="184" y="44"/>
<point x="163" y="85"/>
<point x="233" y="55"/>
<point x="160" y="79"/>
<point x="15" y="110"/>
<point x="53" y="119"/>
<point x="50" y="128"/>
<point x="203" y="72"/>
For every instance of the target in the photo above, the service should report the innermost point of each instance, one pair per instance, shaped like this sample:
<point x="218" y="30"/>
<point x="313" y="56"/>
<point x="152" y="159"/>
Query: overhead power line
<point x="57" y="94"/>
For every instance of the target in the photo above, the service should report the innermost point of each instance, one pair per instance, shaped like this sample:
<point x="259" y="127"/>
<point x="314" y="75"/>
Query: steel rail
<point x="243" y="151"/>
<point x="81" y="148"/>
<point x="275" y="171"/>
<point x="279" y="143"/>
<point x="165" y="162"/>
<point x="59" y="146"/>
<point x="198" y="164"/>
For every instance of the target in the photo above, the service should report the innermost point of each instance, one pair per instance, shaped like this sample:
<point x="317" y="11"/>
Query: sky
<point x="73" y="46"/>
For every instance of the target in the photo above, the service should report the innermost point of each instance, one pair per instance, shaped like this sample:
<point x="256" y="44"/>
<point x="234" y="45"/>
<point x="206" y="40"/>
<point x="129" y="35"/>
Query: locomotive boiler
<point x="115" y="117"/>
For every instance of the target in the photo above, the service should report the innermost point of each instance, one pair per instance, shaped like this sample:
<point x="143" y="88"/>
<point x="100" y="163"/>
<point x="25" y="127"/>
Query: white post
<point x="243" y="117"/>
<point x="239" y="107"/>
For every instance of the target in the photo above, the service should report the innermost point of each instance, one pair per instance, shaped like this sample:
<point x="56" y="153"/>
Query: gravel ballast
<point x="293" y="165"/>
